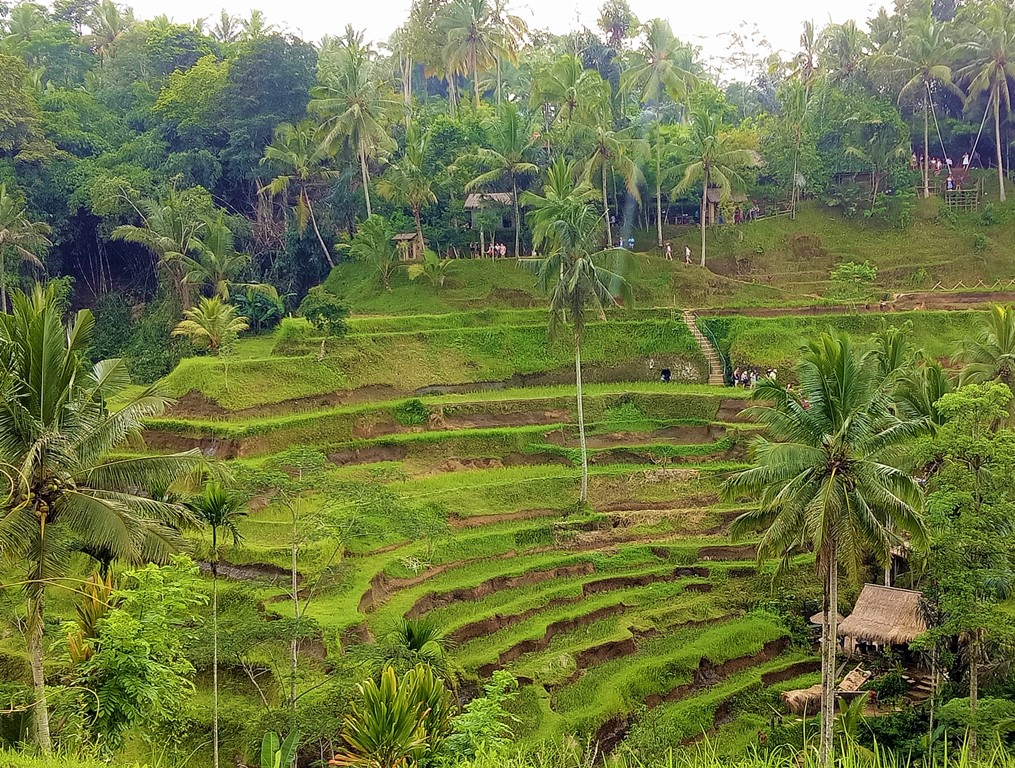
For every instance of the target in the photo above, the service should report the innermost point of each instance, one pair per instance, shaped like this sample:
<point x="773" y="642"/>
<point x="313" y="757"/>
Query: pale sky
<point x="701" y="23"/>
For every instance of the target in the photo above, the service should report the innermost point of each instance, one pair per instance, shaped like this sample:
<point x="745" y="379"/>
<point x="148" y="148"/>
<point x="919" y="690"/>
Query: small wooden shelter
<point x="883" y="616"/>
<point x="409" y="246"/>
<point x="486" y="201"/>
<point x="714" y="198"/>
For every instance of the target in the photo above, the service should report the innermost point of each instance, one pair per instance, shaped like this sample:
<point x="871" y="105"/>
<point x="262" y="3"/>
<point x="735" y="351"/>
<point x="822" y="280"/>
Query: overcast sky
<point x="702" y="23"/>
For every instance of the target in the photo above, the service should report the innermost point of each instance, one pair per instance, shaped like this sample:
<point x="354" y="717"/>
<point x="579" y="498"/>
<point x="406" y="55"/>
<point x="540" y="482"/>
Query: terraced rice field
<point x="634" y="613"/>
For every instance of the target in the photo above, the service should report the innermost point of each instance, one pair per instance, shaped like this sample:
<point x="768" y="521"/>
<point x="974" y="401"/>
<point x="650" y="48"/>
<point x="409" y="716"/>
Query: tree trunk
<point x="407" y="81"/>
<point x="518" y="220"/>
<point x="313" y="220"/>
<point x="659" y="181"/>
<point x="606" y="210"/>
<point x="997" y="142"/>
<point x="829" y="642"/>
<point x="583" y="498"/>
<point x="419" y="229"/>
<point x="499" y="84"/>
<point x="926" y="145"/>
<point x="704" y="215"/>
<point x="3" y="283"/>
<point x="793" y="188"/>
<point x="475" y="75"/>
<point x="366" y="177"/>
<point x="41" y="709"/>
<point x="215" y="660"/>
<point x="974" y="693"/>
<point x="293" y="648"/>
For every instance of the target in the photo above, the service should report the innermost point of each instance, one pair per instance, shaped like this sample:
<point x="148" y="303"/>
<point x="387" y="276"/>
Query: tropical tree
<point x="825" y="479"/>
<point x="797" y="101"/>
<point x="299" y="156"/>
<point x="612" y="152"/>
<point x="581" y="278"/>
<point x="990" y="354"/>
<point x="171" y="230"/>
<point x="373" y="244"/>
<point x="662" y="67"/>
<point x="617" y="22"/>
<point x="843" y="50"/>
<point x="108" y="23"/>
<point x="880" y="146"/>
<point x="212" y="324"/>
<point x="432" y="268"/>
<point x="990" y="54"/>
<point x="475" y="39"/>
<point x="56" y="434"/>
<point x="221" y="512"/>
<point x="715" y="161"/>
<point x="408" y="181"/>
<point x="509" y="142"/>
<point x="922" y="64"/>
<point x="218" y="265"/>
<point x="20" y="237"/>
<point x="354" y="104"/>
<point x="413" y="642"/>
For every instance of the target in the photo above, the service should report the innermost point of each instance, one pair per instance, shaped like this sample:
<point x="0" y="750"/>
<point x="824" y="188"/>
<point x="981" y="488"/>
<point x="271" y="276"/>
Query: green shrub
<point x="325" y="311"/>
<point x="980" y="242"/>
<point x="890" y="687"/>
<point x="411" y="413"/>
<point x="291" y="332"/>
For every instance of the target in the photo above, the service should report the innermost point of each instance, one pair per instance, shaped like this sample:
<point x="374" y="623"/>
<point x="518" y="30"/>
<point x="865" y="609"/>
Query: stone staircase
<point x="715" y="368"/>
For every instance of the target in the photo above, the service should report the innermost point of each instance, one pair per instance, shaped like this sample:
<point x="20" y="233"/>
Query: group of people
<point x="938" y="166"/>
<point x="669" y="252"/>
<point x="748" y="376"/>
<point x="495" y="250"/>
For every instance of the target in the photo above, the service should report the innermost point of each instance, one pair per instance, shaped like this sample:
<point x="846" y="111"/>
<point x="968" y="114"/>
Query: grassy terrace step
<point x="700" y="714"/>
<point x="617" y="688"/>
<point x="572" y="622"/>
<point x="400" y="363"/>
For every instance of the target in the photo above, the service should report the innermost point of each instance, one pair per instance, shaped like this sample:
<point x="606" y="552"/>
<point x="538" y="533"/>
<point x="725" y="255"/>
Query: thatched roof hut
<point x="478" y="200"/>
<point x="885" y="616"/>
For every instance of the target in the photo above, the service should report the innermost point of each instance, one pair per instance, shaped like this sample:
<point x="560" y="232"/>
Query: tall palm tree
<point x="299" y="157"/>
<point x="108" y="22"/>
<point x="220" y="511"/>
<point x="844" y="49"/>
<point x="56" y="435"/>
<point x="509" y="141"/>
<point x="824" y="476"/>
<point x="218" y="265"/>
<point x="806" y="60"/>
<point x="567" y="93"/>
<point x="512" y="32"/>
<point x="474" y="39"/>
<point x="212" y="324"/>
<point x="408" y="181"/>
<point x="227" y="28"/>
<point x="582" y="279"/>
<point x="880" y="146"/>
<point x="612" y="152"/>
<point x="171" y="232"/>
<point x="716" y="162"/>
<point x="662" y="67"/>
<point x="354" y="106"/>
<point x="19" y="236"/>
<point x="991" y="65"/>
<point x="990" y="354"/>
<point x="922" y="64"/>
<point x="797" y="102"/>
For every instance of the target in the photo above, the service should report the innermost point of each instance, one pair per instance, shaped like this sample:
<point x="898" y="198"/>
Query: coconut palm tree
<point x="172" y="233"/>
<point x="612" y="152"/>
<point x="921" y="63"/>
<point x="212" y="324"/>
<point x="56" y="436"/>
<point x="227" y="28"/>
<point x="474" y="39"/>
<point x="567" y="93"/>
<point x="220" y="511"/>
<point x="826" y="481"/>
<point x="844" y="48"/>
<point x="408" y="181"/>
<point x="990" y="52"/>
<point x="218" y="265"/>
<point x="373" y="245"/>
<point x="299" y="157"/>
<point x="990" y="354"/>
<point x="20" y="237"/>
<point x="797" y="101"/>
<point x="354" y="104"/>
<point x="509" y="142"/>
<point x="662" y="67"/>
<point x="880" y="146"/>
<point x="581" y="278"/>
<point x="108" y="22"/>
<point x="716" y="162"/>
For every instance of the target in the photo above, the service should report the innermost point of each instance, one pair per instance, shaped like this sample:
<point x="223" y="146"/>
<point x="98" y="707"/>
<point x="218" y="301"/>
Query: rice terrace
<point x="496" y="390"/>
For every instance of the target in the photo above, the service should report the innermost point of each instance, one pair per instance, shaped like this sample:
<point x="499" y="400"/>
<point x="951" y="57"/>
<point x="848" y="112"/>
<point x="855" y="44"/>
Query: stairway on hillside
<point x="715" y="367"/>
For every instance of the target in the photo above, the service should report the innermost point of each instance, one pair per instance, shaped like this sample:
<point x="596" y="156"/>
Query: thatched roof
<point x="404" y="237"/>
<point x="819" y="617"/>
<point x="483" y="199"/>
<point x="715" y="196"/>
<point x="808" y="700"/>
<point x="885" y="615"/>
